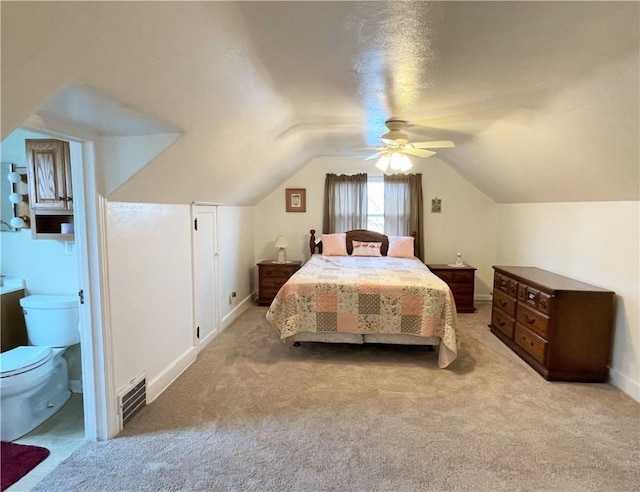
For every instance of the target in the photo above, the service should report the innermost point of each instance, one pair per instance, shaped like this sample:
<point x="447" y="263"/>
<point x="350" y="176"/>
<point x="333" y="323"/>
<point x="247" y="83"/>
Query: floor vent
<point x="132" y="398"/>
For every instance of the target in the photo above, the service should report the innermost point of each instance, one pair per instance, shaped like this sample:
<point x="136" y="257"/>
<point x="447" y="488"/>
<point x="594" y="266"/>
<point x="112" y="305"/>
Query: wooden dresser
<point x="461" y="280"/>
<point x="559" y="326"/>
<point x="271" y="276"/>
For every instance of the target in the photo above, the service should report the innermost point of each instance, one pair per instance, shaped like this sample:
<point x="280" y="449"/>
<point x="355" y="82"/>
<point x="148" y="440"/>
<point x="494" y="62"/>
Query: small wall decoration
<point x="436" y="205"/>
<point x="296" y="199"/>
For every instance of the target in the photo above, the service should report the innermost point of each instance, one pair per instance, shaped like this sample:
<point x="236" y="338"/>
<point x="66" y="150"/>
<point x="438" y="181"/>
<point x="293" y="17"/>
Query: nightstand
<point x="271" y="276"/>
<point x="460" y="280"/>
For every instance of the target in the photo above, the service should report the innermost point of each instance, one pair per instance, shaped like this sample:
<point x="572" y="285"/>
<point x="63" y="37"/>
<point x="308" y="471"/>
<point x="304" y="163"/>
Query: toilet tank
<point x="52" y="320"/>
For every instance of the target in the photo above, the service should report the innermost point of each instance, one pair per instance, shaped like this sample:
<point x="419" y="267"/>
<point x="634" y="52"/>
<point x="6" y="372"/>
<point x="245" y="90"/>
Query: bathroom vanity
<point x="12" y="325"/>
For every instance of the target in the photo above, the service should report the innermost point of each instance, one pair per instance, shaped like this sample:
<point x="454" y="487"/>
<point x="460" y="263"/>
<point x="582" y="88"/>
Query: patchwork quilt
<point x="365" y="295"/>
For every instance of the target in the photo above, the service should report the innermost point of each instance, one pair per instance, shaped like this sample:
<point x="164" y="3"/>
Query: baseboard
<point x="236" y="312"/>
<point x="170" y="374"/>
<point x="625" y="384"/>
<point x="75" y="385"/>
<point x="483" y="299"/>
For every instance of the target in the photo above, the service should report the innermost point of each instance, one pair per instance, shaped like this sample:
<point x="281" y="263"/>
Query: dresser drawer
<point x="534" y="298"/>
<point x="505" y="284"/>
<point x="502" y="322"/>
<point x="504" y="302"/>
<point x="531" y="343"/>
<point x="533" y="320"/>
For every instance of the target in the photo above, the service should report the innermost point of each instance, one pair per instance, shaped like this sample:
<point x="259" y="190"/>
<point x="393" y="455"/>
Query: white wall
<point x="149" y="253"/>
<point x="466" y="223"/>
<point x="236" y="264"/>
<point x="150" y="292"/>
<point x="594" y="242"/>
<point x="42" y="263"/>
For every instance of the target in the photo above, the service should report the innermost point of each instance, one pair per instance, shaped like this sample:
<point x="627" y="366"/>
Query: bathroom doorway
<point x="98" y="421"/>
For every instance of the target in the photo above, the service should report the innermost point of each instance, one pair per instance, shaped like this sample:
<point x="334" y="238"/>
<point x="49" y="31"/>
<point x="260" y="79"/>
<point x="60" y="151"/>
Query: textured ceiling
<point x="541" y="98"/>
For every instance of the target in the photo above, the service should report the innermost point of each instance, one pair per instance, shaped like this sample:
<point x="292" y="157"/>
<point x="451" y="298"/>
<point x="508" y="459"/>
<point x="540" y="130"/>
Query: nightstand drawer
<point x="282" y="271"/>
<point x="461" y="282"/>
<point x="272" y="282"/>
<point x="269" y="293"/>
<point x="272" y="276"/>
<point x="461" y="288"/>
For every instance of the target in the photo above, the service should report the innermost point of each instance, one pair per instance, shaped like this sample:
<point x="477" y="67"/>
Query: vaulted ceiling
<point x="541" y="98"/>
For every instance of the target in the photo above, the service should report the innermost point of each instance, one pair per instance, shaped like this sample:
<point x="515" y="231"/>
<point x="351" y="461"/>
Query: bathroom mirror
<point x="8" y="209"/>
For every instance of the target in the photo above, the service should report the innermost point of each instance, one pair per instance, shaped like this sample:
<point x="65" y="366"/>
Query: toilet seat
<point x="23" y="359"/>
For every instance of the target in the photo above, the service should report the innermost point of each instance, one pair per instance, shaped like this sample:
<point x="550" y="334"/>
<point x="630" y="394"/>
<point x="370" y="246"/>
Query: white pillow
<point x="361" y="248"/>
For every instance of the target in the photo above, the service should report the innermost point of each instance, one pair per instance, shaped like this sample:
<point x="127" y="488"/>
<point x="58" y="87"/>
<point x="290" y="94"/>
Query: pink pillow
<point x="366" y="249"/>
<point x="334" y="244"/>
<point x="401" y="246"/>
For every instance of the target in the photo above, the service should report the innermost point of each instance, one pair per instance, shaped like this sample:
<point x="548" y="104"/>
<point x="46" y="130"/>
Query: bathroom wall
<point x="47" y="266"/>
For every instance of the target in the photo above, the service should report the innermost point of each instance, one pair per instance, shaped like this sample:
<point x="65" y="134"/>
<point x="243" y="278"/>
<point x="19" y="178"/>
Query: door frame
<point x="200" y="344"/>
<point x="99" y="401"/>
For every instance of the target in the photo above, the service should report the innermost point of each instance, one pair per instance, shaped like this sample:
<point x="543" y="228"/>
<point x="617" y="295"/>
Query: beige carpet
<point x="254" y="414"/>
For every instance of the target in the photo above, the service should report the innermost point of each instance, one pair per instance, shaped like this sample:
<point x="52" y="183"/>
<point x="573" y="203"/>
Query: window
<point x="375" y="202"/>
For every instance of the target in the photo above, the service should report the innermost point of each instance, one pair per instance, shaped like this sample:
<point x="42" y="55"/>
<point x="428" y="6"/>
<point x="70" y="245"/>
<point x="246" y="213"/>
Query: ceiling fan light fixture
<point x="399" y="162"/>
<point x="383" y="163"/>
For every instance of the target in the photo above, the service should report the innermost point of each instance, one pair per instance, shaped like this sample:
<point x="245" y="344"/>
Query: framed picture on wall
<point x="296" y="199"/>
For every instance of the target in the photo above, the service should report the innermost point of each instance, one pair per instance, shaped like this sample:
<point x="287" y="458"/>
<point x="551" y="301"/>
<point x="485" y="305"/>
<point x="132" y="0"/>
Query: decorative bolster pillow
<point x="361" y="248"/>
<point x="401" y="246"/>
<point x="334" y="244"/>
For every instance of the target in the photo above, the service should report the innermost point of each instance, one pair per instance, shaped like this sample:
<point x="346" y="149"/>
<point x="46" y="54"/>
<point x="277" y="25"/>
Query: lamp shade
<point x="281" y="242"/>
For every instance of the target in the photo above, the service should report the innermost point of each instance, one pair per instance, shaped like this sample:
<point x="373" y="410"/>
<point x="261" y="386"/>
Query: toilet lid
<point x="22" y="359"/>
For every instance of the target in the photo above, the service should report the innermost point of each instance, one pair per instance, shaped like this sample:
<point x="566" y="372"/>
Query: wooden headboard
<point x="356" y="235"/>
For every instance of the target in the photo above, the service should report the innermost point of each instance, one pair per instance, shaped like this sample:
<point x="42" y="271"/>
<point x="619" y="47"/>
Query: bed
<point x="366" y="299"/>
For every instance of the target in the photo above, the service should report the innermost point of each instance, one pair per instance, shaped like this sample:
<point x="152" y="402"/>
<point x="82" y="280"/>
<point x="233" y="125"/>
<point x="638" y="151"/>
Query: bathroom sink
<point x="11" y="285"/>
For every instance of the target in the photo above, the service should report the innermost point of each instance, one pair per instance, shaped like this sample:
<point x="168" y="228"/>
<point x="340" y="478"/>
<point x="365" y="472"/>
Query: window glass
<point x="375" y="195"/>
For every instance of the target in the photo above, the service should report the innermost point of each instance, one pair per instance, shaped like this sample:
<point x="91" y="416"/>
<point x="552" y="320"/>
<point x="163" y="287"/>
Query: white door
<point x="205" y="283"/>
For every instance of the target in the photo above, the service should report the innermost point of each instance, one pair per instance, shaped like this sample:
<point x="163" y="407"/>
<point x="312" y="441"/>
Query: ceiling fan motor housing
<point x="394" y="134"/>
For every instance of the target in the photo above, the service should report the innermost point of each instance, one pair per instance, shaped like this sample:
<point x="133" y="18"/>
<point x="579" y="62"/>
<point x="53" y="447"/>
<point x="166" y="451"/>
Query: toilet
<point x="34" y="380"/>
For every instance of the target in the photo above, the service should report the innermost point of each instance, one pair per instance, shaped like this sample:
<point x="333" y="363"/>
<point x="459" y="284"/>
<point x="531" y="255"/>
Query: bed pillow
<point x="334" y="244"/>
<point x="401" y="246"/>
<point x="361" y="248"/>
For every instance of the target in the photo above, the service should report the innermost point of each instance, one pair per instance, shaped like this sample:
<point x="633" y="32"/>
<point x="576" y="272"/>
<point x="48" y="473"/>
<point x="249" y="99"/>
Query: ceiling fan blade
<point x="418" y="152"/>
<point x="374" y="156"/>
<point x="440" y="144"/>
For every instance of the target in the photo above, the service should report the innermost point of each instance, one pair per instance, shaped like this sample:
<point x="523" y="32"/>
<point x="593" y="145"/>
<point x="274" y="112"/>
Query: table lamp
<point x="282" y="244"/>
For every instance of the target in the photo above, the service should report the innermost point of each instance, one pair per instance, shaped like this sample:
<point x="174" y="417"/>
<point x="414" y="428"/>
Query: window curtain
<point x="403" y="207"/>
<point x="345" y="203"/>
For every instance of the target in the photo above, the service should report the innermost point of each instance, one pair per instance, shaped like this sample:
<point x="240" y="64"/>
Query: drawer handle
<point x="503" y="303"/>
<point x="501" y="322"/>
<point x="531" y="321"/>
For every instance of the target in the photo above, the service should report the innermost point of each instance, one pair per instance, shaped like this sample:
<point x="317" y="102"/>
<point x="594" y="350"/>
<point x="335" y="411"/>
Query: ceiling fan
<point x="396" y="147"/>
